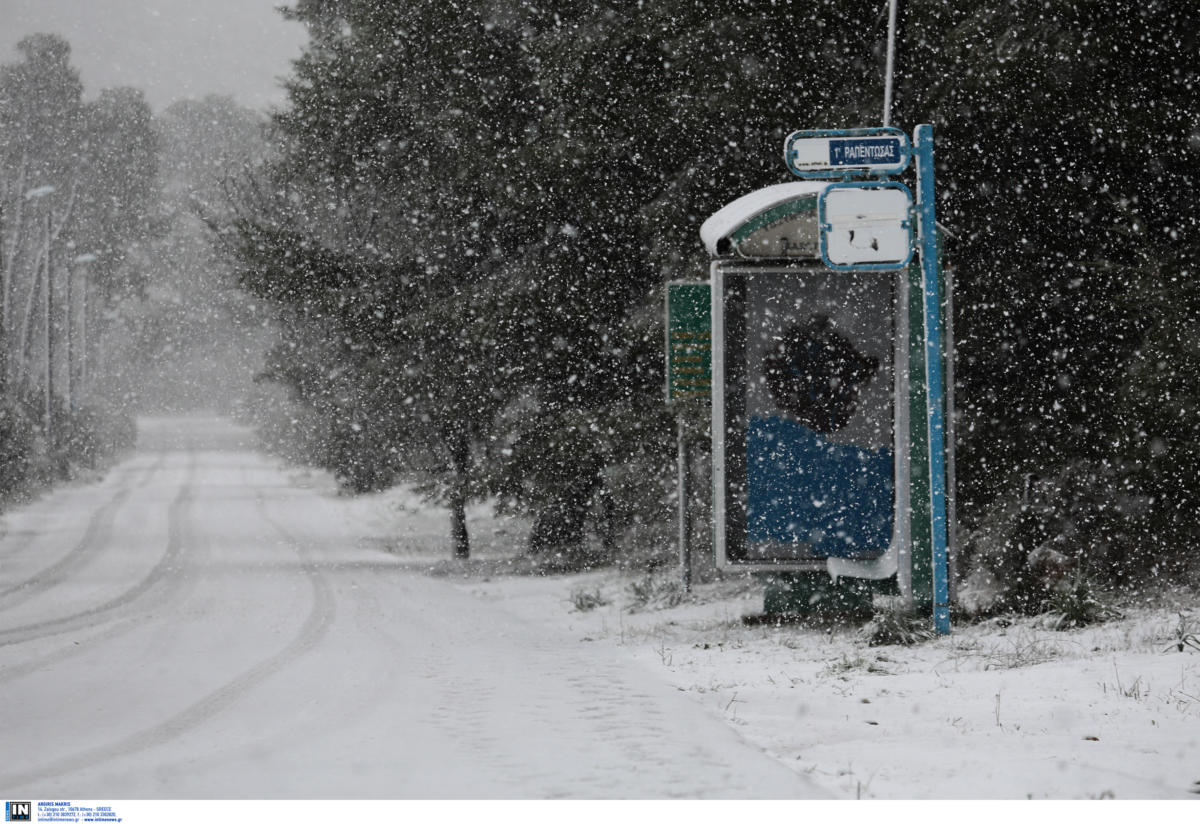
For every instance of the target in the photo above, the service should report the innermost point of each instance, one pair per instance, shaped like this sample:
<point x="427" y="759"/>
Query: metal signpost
<point x="689" y="378"/>
<point x="935" y="406"/>
<point x="812" y="390"/>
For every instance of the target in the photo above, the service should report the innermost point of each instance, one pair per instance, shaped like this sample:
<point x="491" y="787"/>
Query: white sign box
<point x="866" y="225"/>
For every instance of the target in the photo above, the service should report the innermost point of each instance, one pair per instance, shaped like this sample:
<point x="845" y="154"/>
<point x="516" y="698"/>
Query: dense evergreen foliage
<point x="476" y="205"/>
<point x="1069" y="143"/>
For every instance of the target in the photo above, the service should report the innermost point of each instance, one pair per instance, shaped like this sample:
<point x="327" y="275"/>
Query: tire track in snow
<point x="97" y="533"/>
<point x="87" y="618"/>
<point x="121" y="623"/>
<point x="43" y="515"/>
<point x="377" y="691"/>
<point x="314" y="629"/>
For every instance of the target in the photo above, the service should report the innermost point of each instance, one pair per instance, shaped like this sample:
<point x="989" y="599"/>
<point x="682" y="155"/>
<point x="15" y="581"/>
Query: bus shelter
<point x="811" y="391"/>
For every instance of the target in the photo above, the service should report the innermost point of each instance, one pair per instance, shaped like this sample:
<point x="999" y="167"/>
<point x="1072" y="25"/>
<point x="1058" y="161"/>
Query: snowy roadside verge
<point x="996" y="710"/>
<point x="990" y="712"/>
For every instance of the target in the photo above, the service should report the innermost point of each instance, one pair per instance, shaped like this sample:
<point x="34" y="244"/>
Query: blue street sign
<point x="840" y="153"/>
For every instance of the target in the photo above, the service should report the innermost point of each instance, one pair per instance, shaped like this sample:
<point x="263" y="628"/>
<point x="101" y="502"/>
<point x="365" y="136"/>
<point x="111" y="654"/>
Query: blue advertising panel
<point x="807" y="375"/>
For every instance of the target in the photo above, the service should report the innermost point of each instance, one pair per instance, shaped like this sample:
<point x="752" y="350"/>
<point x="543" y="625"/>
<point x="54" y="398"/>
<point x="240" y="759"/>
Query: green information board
<point x="689" y="341"/>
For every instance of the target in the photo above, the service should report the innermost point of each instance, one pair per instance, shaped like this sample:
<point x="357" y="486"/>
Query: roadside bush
<point x="85" y="439"/>
<point x="1077" y="603"/>
<point x="896" y="625"/>
<point x="80" y="441"/>
<point x="17" y="438"/>
<point x="1084" y="522"/>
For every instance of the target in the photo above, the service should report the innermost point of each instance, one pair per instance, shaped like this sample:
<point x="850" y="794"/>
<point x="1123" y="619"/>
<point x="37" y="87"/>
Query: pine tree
<point x="1067" y="157"/>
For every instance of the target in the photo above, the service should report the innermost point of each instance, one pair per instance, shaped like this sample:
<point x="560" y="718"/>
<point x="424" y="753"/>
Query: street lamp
<point x="47" y="304"/>
<point x="81" y="260"/>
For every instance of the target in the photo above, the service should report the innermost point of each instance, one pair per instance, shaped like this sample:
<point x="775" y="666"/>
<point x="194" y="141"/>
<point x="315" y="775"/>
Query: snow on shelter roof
<point x="732" y="216"/>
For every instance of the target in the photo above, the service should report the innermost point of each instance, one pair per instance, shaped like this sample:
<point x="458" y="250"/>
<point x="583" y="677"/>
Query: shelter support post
<point x="934" y="384"/>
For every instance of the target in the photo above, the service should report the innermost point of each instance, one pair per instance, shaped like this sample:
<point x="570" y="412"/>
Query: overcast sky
<point x="171" y="49"/>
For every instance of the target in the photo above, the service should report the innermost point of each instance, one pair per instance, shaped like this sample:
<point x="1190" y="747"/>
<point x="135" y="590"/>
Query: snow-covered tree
<point x="76" y="191"/>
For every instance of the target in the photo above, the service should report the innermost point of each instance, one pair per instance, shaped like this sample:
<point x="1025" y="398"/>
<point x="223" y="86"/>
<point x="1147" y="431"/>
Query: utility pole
<point x="48" y="305"/>
<point x="889" y="70"/>
<point x="77" y="340"/>
<point x="69" y="399"/>
<point x="3" y="309"/>
<point x="84" y="331"/>
<point x="896" y="12"/>
<point x="11" y="252"/>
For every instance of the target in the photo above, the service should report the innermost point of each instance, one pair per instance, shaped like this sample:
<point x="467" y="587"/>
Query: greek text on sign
<point x="864" y="151"/>
<point x="840" y="152"/>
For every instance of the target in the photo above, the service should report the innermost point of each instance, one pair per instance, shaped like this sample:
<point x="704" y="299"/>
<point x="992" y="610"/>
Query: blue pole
<point x="935" y="404"/>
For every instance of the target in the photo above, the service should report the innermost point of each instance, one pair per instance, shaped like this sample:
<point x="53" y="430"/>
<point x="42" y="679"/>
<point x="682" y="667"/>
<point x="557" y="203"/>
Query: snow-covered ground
<point x="997" y="710"/>
<point x="990" y="712"/>
<point x="207" y="622"/>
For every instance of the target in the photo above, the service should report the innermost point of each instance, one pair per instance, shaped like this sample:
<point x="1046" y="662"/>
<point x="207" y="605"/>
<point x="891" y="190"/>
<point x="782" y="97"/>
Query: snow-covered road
<point x="200" y="625"/>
